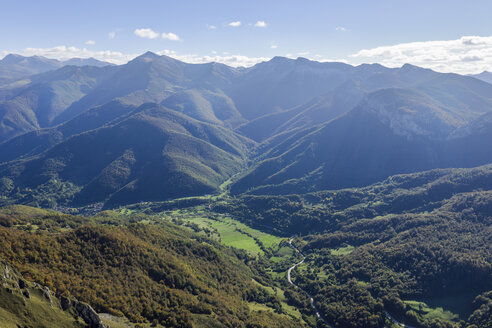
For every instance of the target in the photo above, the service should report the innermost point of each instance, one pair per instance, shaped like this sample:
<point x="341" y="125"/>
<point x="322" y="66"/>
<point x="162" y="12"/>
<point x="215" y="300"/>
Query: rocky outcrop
<point x="26" y="293"/>
<point x="87" y="313"/>
<point x="14" y="283"/>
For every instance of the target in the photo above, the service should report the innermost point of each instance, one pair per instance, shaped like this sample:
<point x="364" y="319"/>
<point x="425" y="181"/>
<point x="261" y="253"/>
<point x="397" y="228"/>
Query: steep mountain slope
<point x="36" y="142"/>
<point x="58" y="96"/>
<point x="464" y="96"/>
<point x="154" y="273"/>
<point x="391" y="131"/>
<point x="316" y="111"/>
<point x="28" y="304"/>
<point x="38" y="104"/>
<point x="283" y="83"/>
<point x="153" y="154"/>
<point x="151" y="78"/>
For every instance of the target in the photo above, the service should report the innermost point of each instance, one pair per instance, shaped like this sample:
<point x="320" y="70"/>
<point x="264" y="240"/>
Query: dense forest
<point x="415" y="248"/>
<point x="149" y="272"/>
<point x="406" y="245"/>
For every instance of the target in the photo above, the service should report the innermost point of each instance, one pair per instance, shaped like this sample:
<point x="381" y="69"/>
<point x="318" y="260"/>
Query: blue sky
<point x="350" y="31"/>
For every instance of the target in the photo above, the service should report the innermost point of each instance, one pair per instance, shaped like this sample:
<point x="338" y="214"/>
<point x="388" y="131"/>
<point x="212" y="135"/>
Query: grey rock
<point x="87" y="313"/>
<point x="47" y="293"/>
<point x="6" y="272"/>
<point x="26" y="293"/>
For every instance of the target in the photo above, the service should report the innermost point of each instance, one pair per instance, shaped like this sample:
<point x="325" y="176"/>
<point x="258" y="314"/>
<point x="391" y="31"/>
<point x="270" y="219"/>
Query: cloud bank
<point x="468" y="54"/>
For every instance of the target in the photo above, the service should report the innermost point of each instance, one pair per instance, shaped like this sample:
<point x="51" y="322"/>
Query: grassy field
<point x="223" y="228"/>
<point x="342" y="250"/>
<point x="432" y="313"/>
<point x="288" y="309"/>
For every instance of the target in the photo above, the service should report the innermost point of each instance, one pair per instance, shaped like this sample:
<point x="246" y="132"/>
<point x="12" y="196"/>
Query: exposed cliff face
<point x="27" y="304"/>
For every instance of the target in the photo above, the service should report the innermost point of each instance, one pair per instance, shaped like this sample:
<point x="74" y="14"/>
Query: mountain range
<point x="292" y="193"/>
<point x="13" y="67"/>
<point x="157" y="128"/>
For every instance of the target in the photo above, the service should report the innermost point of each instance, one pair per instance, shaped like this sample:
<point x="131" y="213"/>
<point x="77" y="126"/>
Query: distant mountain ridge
<point x="14" y="66"/>
<point x="281" y="126"/>
<point x="484" y="76"/>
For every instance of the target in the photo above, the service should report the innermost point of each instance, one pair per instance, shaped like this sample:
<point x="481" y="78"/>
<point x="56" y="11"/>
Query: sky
<point x="447" y="36"/>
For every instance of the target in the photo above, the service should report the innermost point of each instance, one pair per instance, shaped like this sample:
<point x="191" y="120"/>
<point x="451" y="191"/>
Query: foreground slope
<point x="150" y="272"/>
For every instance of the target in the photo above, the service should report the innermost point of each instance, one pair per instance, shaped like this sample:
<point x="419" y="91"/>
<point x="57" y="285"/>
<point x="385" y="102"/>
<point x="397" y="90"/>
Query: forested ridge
<point x="148" y="272"/>
<point x="408" y="245"/>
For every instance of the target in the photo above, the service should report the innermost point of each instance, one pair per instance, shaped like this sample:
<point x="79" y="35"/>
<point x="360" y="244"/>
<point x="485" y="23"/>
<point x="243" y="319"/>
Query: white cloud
<point x="341" y="29"/>
<point x="235" y="24"/>
<point x="170" y="36"/>
<point x="112" y="35"/>
<point x="468" y="54"/>
<point x="146" y="33"/>
<point x="303" y="53"/>
<point x="212" y="27"/>
<point x="260" y="24"/>
<point x="273" y="46"/>
<point x="90" y="42"/>
<point x="230" y="60"/>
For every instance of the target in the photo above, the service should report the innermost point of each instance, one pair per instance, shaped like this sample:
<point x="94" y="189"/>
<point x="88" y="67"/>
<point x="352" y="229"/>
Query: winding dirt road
<point x="313" y="303"/>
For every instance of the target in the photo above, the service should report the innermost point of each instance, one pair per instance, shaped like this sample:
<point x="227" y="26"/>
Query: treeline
<point x="331" y="210"/>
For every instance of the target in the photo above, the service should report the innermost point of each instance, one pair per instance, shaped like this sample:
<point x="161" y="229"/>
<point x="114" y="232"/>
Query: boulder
<point x="26" y="293"/>
<point x="87" y="313"/>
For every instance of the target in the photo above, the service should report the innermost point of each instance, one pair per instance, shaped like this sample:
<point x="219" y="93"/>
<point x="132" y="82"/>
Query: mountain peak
<point x="279" y="59"/>
<point x="11" y="59"/>
<point x="409" y="66"/>
<point x="149" y="54"/>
